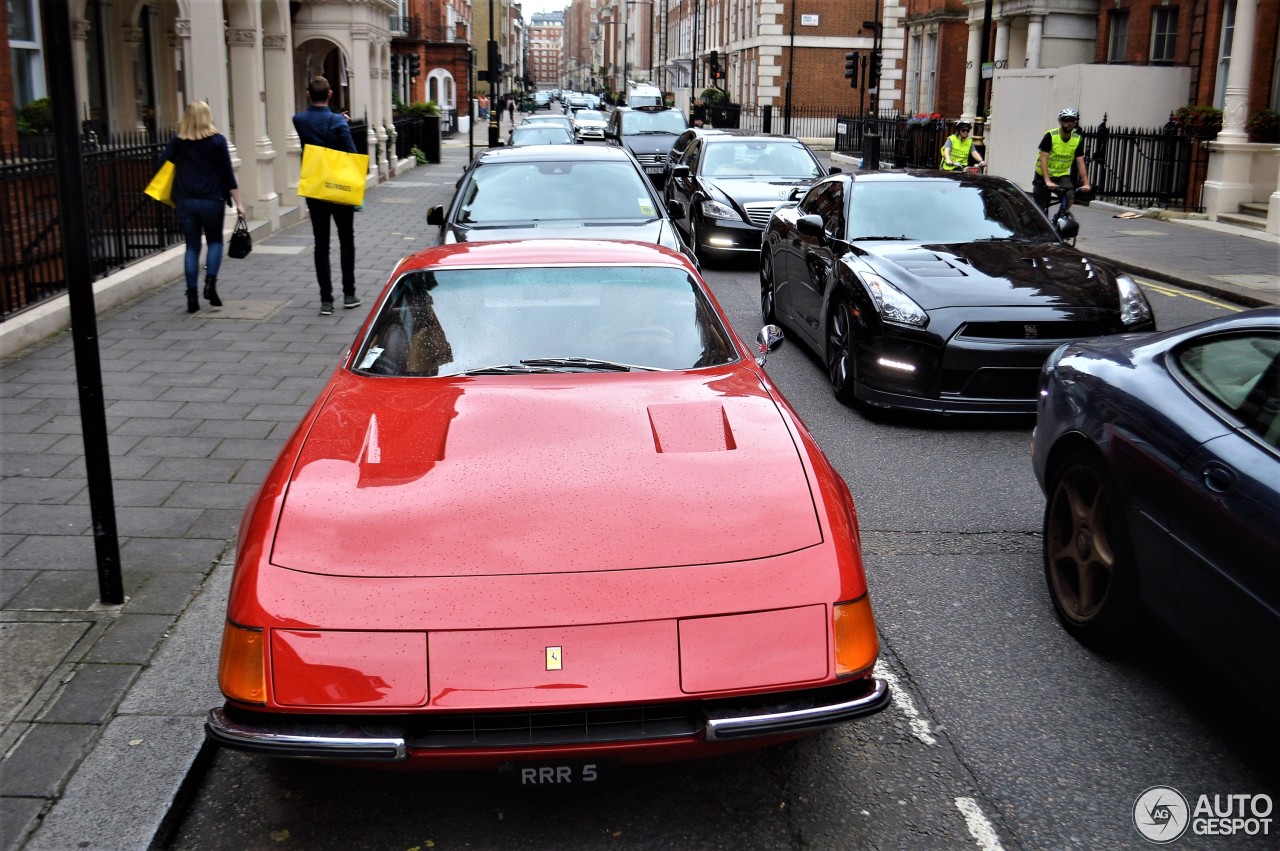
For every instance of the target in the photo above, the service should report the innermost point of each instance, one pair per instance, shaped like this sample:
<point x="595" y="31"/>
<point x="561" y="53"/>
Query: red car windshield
<point x="544" y="319"/>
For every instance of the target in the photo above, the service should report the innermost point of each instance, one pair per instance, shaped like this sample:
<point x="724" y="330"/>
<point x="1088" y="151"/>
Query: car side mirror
<point x="435" y="216"/>
<point x="675" y="209"/>
<point x="811" y="225"/>
<point x="835" y="169"/>
<point x="796" y="192"/>
<point x="681" y="170"/>
<point x="768" y="340"/>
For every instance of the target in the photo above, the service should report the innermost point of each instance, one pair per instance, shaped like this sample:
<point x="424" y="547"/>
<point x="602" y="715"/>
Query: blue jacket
<point x="201" y="168"/>
<point x="319" y="125"/>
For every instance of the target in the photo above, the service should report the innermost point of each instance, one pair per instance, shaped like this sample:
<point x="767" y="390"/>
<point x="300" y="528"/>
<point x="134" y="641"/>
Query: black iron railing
<point x="124" y="224"/>
<point x="1156" y="167"/>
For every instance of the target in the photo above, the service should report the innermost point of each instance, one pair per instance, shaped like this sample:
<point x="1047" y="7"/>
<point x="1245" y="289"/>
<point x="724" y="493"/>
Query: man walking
<point x="319" y="125"/>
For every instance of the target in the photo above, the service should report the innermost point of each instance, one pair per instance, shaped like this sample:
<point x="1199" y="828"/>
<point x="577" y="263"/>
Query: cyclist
<point x="958" y="148"/>
<point x="1060" y="156"/>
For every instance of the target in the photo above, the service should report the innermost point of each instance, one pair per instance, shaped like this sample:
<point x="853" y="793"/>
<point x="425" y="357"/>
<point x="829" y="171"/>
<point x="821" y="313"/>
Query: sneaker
<point x="326" y="308"/>
<point x="350" y="301"/>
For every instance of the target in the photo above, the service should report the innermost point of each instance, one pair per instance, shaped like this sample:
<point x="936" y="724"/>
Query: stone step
<point x="1244" y="221"/>
<point x="1254" y="208"/>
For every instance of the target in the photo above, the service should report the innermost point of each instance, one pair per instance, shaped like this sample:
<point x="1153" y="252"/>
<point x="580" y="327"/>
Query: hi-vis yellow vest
<point x="959" y="153"/>
<point x="1062" y="155"/>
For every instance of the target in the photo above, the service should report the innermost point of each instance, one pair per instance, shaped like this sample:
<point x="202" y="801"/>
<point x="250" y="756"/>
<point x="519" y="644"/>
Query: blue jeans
<point x="196" y="217"/>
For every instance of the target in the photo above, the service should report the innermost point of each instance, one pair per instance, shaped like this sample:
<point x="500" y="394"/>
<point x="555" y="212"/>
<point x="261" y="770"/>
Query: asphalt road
<point x="1005" y="734"/>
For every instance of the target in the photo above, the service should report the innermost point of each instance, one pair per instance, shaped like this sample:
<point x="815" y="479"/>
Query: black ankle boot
<point x="193" y="300"/>
<point x="211" y="290"/>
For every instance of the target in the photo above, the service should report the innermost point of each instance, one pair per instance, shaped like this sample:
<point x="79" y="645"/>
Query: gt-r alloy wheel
<point x="766" y="286"/>
<point x="1087" y="559"/>
<point x="840" y="366"/>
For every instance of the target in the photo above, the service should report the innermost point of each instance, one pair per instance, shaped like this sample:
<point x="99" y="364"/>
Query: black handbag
<point x="241" y="242"/>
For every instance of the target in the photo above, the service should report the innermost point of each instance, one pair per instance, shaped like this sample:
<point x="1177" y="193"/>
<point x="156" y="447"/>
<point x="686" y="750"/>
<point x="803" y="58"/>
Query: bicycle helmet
<point x="1069" y="112"/>
<point x="963" y="125"/>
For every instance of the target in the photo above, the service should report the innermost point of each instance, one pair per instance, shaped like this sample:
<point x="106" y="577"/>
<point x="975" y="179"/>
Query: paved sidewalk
<point x="101" y="708"/>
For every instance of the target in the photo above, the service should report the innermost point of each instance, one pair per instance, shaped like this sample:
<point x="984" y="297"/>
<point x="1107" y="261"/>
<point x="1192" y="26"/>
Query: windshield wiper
<point x="505" y="369"/>
<point x="895" y="238"/>
<point x="587" y="364"/>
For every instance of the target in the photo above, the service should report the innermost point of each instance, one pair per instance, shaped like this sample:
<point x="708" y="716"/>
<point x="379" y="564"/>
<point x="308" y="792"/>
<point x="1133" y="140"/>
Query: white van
<point x="644" y="95"/>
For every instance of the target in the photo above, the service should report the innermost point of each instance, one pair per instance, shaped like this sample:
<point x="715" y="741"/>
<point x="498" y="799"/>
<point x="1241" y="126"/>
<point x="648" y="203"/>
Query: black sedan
<point x="935" y="292"/>
<point x="1160" y="457"/>
<point x="555" y="192"/>
<point x="730" y="182"/>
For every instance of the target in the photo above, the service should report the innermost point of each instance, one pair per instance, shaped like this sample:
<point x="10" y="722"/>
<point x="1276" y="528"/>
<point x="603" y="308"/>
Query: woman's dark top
<point x="201" y="168"/>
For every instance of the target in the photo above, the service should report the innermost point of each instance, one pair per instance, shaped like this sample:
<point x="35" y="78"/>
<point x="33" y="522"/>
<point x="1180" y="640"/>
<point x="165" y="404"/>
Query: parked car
<point x="565" y="121"/>
<point x="648" y="132"/>
<point x="550" y="191"/>
<point x="1160" y="458"/>
<point x="551" y="555"/>
<point x="589" y="124"/>
<point x="540" y="133"/>
<point x="729" y="182"/>
<point x="939" y="292"/>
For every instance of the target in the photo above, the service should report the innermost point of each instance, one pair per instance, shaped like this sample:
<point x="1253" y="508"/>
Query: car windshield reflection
<point x="506" y="193"/>
<point x="543" y="319"/>
<point x="943" y="212"/>
<point x="759" y="159"/>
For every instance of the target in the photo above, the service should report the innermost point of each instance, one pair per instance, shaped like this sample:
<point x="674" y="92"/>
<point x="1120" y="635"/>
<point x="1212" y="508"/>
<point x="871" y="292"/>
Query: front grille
<point x="993" y="383"/>
<point x="760" y="211"/>
<point x="651" y="159"/>
<point x="1051" y="330"/>
<point x="553" y="727"/>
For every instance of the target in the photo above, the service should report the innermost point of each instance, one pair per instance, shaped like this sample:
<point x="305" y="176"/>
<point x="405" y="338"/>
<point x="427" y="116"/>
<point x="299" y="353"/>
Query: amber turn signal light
<point x="242" y="669"/>
<point x="856" y="641"/>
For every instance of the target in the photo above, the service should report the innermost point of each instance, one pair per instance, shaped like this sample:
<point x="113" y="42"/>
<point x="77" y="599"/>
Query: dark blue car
<point x="1159" y="457"/>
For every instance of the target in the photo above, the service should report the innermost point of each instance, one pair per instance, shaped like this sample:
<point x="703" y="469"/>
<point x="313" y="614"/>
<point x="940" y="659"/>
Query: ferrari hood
<point x="994" y="273"/>
<point x="544" y="474"/>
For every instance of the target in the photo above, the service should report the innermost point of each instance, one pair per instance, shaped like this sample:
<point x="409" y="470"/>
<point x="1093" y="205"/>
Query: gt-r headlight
<point x="1134" y="309"/>
<point x="712" y="209"/>
<point x="893" y="304"/>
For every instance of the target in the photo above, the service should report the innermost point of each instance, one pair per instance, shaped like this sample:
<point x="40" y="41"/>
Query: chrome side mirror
<point x="768" y="340"/>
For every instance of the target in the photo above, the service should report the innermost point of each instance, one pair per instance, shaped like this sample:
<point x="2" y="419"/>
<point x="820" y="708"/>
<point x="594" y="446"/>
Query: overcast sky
<point x="531" y="6"/>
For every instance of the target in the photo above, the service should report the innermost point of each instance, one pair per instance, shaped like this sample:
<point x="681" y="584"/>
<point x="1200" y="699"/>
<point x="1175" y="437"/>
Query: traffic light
<point x="851" y="68"/>
<point x="395" y="64"/>
<point x="415" y="65"/>
<point x="716" y="73"/>
<point x="873" y="70"/>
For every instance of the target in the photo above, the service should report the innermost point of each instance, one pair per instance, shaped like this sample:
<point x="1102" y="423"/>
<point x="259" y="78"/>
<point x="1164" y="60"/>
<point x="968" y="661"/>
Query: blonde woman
<point x="203" y="184"/>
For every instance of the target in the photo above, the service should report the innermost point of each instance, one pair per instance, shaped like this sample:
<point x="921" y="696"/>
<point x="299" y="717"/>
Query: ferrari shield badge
<point x="554" y="658"/>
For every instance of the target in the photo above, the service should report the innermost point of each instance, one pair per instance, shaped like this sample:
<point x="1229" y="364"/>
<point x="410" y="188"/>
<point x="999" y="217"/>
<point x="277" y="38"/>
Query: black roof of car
<point x="732" y="134"/>
<point x="544" y="153"/>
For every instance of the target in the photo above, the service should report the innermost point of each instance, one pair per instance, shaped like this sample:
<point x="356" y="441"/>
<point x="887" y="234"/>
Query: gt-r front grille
<point x="1031" y="330"/>
<point x="651" y="159"/>
<point x="992" y="383"/>
<point x="760" y="211"/>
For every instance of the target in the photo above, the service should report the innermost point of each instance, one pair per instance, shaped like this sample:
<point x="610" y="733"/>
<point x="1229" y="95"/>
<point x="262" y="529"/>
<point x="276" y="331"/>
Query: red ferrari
<point x="549" y="515"/>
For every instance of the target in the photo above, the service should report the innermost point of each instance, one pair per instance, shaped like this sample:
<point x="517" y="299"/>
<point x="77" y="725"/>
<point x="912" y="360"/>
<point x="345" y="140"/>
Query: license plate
<point x="653" y="169"/>
<point x="553" y="773"/>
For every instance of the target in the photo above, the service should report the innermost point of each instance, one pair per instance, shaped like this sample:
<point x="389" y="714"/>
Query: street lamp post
<point x="493" y="83"/>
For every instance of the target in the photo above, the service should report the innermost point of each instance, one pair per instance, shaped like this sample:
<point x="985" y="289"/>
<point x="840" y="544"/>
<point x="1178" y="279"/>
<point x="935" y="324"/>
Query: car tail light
<point x="856" y="641"/>
<point x="242" y="670"/>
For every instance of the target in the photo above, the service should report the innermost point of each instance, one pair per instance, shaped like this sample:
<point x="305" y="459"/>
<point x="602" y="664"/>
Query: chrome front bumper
<point x="387" y="741"/>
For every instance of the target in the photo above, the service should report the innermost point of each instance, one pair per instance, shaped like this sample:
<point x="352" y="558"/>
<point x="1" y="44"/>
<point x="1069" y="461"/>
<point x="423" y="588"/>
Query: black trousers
<point x="344" y="217"/>
<point x="1041" y="193"/>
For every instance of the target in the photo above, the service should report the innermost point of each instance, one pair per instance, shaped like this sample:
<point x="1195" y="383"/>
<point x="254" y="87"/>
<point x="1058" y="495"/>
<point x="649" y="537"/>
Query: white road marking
<point x="979" y="828"/>
<point x="902" y="700"/>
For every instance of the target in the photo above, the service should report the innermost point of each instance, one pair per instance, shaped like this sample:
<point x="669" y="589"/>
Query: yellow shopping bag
<point x="331" y="175"/>
<point x="161" y="186"/>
